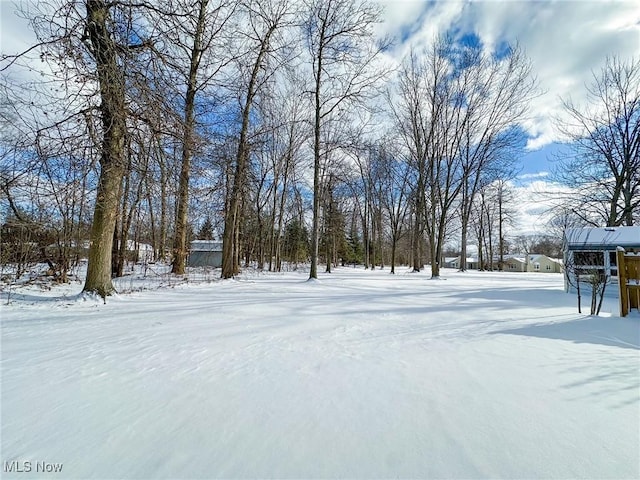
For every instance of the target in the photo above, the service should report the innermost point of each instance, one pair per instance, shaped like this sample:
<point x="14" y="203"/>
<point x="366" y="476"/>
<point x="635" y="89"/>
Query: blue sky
<point x="539" y="160"/>
<point x="566" y="41"/>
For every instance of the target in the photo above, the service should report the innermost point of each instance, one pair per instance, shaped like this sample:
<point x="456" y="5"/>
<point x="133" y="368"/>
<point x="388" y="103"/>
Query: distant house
<point x="205" y="253"/>
<point x="473" y="263"/>
<point x="515" y="263"/>
<point x="543" y="264"/>
<point x="452" y="262"/>
<point x="595" y="249"/>
<point x="134" y="251"/>
<point x="534" y="262"/>
<point x="141" y="252"/>
<point x="512" y="263"/>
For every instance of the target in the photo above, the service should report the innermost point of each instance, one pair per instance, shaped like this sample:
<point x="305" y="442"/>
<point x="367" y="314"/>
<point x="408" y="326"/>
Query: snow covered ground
<point x="359" y="375"/>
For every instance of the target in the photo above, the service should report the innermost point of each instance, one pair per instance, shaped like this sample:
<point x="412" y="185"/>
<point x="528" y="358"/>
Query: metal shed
<point x="205" y="253"/>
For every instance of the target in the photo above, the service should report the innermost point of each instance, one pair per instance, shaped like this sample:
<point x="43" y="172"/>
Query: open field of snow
<point x="359" y="375"/>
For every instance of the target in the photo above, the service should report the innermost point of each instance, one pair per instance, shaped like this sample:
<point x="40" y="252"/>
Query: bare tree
<point x="412" y="112"/>
<point x="456" y="112"/>
<point x="111" y="79"/>
<point x="289" y="132"/>
<point x="361" y="187"/>
<point x="44" y="179"/>
<point x="257" y="65"/>
<point x="430" y="120"/>
<point x="604" y="164"/>
<point x="504" y="198"/>
<point x="199" y="34"/>
<point x="497" y="94"/>
<point x="89" y="56"/>
<point x="586" y="268"/>
<point x="339" y="36"/>
<point x="394" y="176"/>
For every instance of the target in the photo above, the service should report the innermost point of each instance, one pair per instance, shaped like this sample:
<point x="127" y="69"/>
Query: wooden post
<point x="622" y="282"/>
<point x="628" y="280"/>
<point x="633" y="279"/>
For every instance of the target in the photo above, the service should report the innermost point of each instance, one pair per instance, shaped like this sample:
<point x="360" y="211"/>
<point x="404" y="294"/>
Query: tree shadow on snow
<point x="611" y="331"/>
<point x="35" y="298"/>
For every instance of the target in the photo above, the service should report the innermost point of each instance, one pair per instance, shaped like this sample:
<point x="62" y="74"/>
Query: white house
<point x="454" y="262"/>
<point x="143" y="251"/>
<point x="544" y="264"/>
<point x="594" y="249"/>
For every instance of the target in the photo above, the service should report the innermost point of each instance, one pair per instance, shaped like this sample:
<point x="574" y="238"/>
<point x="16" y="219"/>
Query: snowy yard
<point x="359" y="375"/>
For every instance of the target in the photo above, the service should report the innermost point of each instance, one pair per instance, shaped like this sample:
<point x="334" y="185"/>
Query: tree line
<point x="282" y="125"/>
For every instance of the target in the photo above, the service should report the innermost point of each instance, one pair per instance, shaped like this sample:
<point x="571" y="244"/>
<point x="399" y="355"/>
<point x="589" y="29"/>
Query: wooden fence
<point x="628" y="280"/>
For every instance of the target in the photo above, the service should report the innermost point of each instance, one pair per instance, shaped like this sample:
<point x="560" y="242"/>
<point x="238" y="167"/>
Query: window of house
<point x="588" y="259"/>
<point x="536" y="266"/>
<point x="548" y="267"/>
<point x="586" y="264"/>
<point x="613" y="263"/>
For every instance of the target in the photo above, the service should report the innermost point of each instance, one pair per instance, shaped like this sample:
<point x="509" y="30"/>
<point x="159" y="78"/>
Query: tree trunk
<point x="315" y="228"/>
<point x="127" y="216"/>
<point x="180" y="238"/>
<point x="465" y="215"/>
<point x="272" y="220"/>
<point x="417" y="227"/>
<point x="380" y="242"/>
<point x="152" y="216"/>
<point x="112" y="165"/>
<point x="328" y="222"/>
<point x="421" y="207"/>
<point x="162" y="242"/>
<point x="365" y="234"/>
<point x="283" y="199"/>
<point x="394" y="243"/>
<point x="463" y="246"/>
<point x="500" y="232"/>
<point x="230" y="248"/>
<point x="122" y="227"/>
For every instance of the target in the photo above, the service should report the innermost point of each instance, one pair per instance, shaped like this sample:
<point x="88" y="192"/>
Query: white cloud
<point x="415" y="23"/>
<point x="16" y="34"/>
<point x="566" y="41"/>
<point x="399" y="15"/>
<point x="528" y="176"/>
<point x="567" y="44"/>
<point x="535" y="204"/>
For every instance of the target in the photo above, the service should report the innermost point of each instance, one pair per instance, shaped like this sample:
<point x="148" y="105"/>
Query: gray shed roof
<point x="607" y="238"/>
<point x="206" y="246"/>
